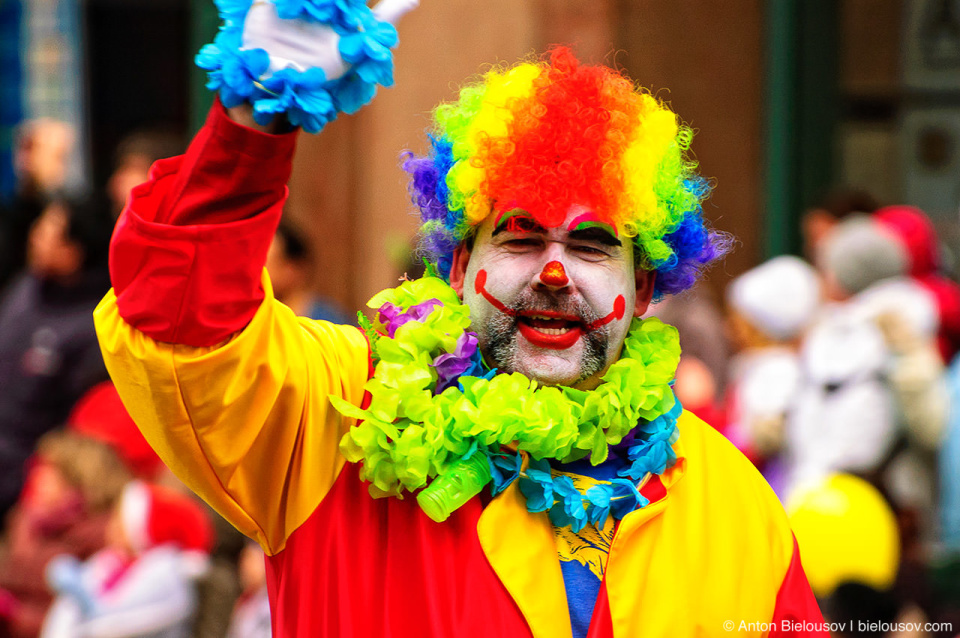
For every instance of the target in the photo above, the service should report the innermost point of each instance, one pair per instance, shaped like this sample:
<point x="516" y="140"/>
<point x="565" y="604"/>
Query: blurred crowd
<point x="98" y="538"/>
<point x="838" y="375"/>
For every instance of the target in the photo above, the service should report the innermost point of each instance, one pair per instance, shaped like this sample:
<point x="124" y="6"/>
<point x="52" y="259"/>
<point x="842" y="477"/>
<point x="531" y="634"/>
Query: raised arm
<point x="226" y="383"/>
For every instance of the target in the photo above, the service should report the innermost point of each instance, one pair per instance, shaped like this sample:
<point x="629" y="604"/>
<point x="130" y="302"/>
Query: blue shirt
<point x="583" y="555"/>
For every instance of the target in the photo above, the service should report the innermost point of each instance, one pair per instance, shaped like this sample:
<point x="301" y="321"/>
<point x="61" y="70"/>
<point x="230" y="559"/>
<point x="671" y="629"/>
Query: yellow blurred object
<point x="846" y="532"/>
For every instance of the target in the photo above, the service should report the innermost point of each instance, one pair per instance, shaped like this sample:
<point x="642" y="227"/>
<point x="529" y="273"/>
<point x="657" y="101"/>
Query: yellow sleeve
<point x="246" y="424"/>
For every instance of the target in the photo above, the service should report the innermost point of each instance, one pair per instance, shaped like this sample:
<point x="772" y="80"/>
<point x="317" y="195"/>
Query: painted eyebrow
<point x="521" y="222"/>
<point x="595" y="234"/>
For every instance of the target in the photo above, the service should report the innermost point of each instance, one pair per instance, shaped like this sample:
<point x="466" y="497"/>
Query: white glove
<point x="301" y="44"/>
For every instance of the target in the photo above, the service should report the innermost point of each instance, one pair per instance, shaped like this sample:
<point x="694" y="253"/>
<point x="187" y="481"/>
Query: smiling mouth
<point x="550" y="330"/>
<point x="546" y="328"/>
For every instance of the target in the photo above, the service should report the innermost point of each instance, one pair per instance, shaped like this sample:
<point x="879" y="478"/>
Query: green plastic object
<point x="462" y="481"/>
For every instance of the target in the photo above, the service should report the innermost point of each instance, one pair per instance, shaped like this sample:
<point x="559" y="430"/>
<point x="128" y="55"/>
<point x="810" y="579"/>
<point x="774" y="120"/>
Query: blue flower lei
<point x="308" y="98"/>
<point x="566" y="506"/>
<point x="435" y="403"/>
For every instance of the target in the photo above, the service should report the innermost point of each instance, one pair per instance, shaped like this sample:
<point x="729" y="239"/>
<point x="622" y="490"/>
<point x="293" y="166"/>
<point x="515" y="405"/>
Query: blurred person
<point x="874" y="400"/>
<point x="100" y="415"/>
<point x="869" y="376"/>
<point x="251" y="616"/>
<point x="818" y="222"/>
<point x="696" y="388"/>
<point x="908" y="318"/>
<point x="48" y="349"/>
<point x="291" y="265"/>
<point x="769" y="309"/>
<point x="909" y="315"/>
<point x="857" y="254"/>
<point x="134" y="156"/>
<point x="918" y="237"/>
<point x="219" y="588"/>
<point x="72" y="487"/>
<point x="705" y="352"/>
<point x="142" y="583"/>
<point x="41" y="151"/>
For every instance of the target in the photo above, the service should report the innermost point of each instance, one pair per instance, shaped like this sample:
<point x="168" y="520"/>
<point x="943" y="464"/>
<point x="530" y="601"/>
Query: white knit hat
<point x="860" y="252"/>
<point x="779" y="297"/>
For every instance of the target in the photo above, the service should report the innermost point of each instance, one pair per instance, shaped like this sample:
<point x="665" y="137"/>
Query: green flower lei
<point x="408" y="434"/>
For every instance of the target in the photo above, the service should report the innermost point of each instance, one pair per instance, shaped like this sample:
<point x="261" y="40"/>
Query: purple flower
<point x="393" y="316"/>
<point x="464" y="359"/>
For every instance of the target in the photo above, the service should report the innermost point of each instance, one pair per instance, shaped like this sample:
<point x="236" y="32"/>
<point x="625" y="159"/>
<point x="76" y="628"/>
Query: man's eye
<point x="519" y="243"/>
<point x="589" y="250"/>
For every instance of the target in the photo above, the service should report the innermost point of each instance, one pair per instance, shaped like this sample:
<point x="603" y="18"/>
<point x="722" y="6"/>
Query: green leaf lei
<point x="409" y="435"/>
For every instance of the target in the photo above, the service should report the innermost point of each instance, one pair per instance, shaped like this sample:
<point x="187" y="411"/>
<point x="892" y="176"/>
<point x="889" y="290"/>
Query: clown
<point x="498" y="451"/>
<point x="549" y="169"/>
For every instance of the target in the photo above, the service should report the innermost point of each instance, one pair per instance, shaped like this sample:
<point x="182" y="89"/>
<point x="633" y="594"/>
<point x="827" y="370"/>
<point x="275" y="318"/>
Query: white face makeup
<point x="554" y="304"/>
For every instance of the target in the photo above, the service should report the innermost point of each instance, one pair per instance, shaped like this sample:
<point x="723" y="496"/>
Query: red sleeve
<point x="797" y="612"/>
<point x="189" y="249"/>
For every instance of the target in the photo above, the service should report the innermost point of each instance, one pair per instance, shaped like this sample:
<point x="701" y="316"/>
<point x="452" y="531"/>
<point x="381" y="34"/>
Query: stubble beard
<point x="498" y="338"/>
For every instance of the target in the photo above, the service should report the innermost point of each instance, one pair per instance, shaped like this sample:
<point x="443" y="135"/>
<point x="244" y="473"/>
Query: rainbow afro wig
<point x="543" y="136"/>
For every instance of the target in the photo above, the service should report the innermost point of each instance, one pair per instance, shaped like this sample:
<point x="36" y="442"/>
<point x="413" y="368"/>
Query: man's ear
<point x="645" y="281"/>
<point x="458" y="269"/>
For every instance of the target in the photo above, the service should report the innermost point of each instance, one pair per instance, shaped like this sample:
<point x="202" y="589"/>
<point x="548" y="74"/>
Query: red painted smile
<point x="546" y="328"/>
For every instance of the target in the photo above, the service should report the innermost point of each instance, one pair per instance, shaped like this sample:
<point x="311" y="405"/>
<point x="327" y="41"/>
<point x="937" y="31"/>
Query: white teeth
<point x="554" y="331"/>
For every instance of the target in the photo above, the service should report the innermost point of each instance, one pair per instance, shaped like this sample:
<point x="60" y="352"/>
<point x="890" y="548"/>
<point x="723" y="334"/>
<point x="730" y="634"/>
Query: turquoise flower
<point x="568" y="510"/>
<point x="537" y="486"/>
<point x="368" y="51"/>
<point x="239" y="72"/>
<point x="232" y="12"/>
<point x="654" y="453"/>
<point x="301" y="95"/>
<point x="624" y="498"/>
<point x="504" y="468"/>
<point x="351" y="93"/>
<point x="307" y="101"/>
<point x="341" y="15"/>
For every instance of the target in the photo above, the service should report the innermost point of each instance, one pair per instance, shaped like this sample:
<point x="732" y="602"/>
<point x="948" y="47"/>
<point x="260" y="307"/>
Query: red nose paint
<point x="553" y="274"/>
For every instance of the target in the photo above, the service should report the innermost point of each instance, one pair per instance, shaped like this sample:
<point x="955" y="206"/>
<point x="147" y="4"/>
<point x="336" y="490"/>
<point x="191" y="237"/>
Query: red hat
<point x="154" y="515"/>
<point x="916" y="233"/>
<point x="100" y="415"/>
<point x="946" y="292"/>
